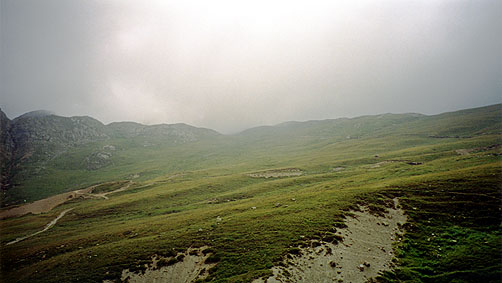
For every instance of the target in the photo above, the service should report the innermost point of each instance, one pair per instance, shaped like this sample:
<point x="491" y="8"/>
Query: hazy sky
<point x="230" y="64"/>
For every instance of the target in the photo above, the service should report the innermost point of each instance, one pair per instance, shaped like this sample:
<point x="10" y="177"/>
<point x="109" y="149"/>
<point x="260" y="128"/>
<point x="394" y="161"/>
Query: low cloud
<point x="229" y="65"/>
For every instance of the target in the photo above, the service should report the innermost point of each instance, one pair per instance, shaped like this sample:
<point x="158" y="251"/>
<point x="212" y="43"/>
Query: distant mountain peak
<point x="36" y="113"/>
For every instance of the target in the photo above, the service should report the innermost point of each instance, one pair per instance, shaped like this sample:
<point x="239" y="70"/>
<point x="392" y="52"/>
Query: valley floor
<point x="270" y="218"/>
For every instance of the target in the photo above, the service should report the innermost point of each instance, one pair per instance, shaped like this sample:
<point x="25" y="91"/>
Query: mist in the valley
<point x="229" y="65"/>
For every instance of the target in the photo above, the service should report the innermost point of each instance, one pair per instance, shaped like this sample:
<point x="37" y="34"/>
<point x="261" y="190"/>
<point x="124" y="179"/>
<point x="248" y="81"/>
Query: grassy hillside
<point x="135" y="150"/>
<point x="200" y="194"/>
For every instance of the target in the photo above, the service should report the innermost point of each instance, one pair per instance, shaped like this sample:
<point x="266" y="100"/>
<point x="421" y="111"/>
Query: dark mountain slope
<point x="6" y="149"/>
<point x="39" y="142"/>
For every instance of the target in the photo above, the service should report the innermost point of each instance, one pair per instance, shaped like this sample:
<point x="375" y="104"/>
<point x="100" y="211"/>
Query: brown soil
<point x="365" y="251"/>
<point x="47" y="204"/>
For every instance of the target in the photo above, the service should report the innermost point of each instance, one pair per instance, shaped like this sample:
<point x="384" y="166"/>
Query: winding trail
<point x="103" y="195"/>
<point x="47" y="227"/>
<point x="47" y="204"/>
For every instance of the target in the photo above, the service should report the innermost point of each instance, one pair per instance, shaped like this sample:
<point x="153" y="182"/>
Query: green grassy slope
<point x="151" y="154"/>
<point x="182" y="189"/>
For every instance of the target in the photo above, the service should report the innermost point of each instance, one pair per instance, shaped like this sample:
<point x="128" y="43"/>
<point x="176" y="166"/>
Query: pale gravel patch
<point x="277" y="173"/>
<point x="190" y="269"/>
<point x="367" y="240"/>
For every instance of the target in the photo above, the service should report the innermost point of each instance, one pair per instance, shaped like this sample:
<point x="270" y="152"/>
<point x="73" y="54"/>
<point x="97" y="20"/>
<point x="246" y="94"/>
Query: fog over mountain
<point x="230" y="65"/>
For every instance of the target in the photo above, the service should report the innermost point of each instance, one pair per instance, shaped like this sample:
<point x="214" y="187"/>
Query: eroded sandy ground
<point x="365" y="251"/>
<point x="47" y="204"/>
<point x="43" y="205"/>
<point x="190" y="269"/>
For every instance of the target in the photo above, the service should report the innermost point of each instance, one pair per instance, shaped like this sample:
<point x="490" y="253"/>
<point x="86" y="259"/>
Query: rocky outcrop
<point x="33" y="139"/>
<point x="40" y="138"/>
<point x="6" y="149"/>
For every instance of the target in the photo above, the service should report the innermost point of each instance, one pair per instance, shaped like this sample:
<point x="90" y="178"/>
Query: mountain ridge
<point x="47" y="154"/>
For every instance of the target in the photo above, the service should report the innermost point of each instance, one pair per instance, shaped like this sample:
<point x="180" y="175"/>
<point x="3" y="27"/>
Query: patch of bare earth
<point x="43" y="205"/>
<point x="47" y="204"/>
<point x="278" y="173"/>
<point x="366" y="250"/>
<point x="190" y="268"/>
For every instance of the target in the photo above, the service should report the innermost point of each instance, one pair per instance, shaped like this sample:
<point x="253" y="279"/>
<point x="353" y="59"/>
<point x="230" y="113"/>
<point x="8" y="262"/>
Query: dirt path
<point x="47" y="204"/>
<point x="365" y="251"/>
<point x="47" y="227"/>
<point x="104" y="195"/>
<point x="44" y="205"/>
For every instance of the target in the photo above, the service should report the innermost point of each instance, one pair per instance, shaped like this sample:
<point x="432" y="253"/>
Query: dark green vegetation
<point x="453" y="233"/>
<point x="192" y="193"/>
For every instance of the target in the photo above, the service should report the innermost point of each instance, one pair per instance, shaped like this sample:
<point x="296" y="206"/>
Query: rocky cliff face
<point x="6" y="149"/>
<point x="28" y="142"/>
<point x="39" y="138"/>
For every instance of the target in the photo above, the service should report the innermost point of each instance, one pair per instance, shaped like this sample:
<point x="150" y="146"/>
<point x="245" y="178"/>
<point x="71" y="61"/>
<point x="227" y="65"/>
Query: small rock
<point x="254" y="207"/>
<point x="366" y="264"/>
<point x="200" y="229"/>
<point x="218" y="219"/>
<point x="293" y="199"/>
<point x="361" y="267"/>
<point x="277" y="204"/>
